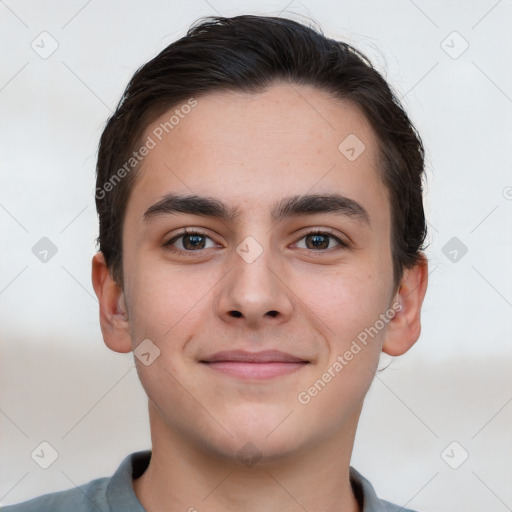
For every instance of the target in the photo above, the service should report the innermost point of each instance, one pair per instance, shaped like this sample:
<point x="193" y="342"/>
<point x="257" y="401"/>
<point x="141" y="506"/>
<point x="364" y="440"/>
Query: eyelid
<point x="189" y="231"/>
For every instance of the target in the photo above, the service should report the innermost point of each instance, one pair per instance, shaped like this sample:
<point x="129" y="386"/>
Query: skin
<point x="250" y="151"/>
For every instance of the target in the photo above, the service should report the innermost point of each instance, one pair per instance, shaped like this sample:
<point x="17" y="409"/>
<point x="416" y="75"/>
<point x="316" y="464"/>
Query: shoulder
<point x="109" y="494"/>
<point x="367" y="497"/>
<point x="90" y="497"/>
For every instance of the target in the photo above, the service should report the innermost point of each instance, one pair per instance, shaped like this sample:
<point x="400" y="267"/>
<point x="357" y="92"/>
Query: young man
<point x="259" y="192"/>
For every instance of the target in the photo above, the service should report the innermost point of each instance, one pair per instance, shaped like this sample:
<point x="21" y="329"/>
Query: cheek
<point x="346" y="309"/>
<point x="167" y="302"/>
<point x="345" y="301"/>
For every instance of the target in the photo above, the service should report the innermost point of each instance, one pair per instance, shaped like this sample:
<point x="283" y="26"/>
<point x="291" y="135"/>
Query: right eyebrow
<point x="192" y="205"/>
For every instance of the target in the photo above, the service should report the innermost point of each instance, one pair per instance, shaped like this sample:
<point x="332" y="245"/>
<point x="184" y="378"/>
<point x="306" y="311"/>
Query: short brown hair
<point x="250" y="53"/>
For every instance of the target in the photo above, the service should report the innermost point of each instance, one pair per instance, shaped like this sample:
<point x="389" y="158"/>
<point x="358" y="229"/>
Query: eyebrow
<point x="288" y="207"/>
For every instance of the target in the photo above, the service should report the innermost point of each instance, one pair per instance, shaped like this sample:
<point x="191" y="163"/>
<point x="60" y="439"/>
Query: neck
<point x="185" y="477"/>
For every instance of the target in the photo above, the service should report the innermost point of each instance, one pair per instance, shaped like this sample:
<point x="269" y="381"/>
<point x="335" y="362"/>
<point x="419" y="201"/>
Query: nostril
<point x="273" y="313"/>
<point x="236" y="314"/>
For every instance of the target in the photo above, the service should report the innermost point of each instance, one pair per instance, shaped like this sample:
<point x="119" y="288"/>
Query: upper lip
<point x="264" y="356"/>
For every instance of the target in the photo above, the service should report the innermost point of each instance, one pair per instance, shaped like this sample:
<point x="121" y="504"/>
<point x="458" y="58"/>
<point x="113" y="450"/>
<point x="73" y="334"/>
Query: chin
<point x="259" y="437"/>
<point x="251" y="450"/>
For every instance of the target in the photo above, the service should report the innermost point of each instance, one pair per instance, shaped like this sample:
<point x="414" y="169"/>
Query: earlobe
<point x="404" y="328"/>
<point x="113" y="312"/>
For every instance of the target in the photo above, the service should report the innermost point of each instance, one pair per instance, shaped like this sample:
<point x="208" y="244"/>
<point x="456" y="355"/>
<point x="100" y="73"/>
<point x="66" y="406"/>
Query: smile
<point x="254" y="365"/>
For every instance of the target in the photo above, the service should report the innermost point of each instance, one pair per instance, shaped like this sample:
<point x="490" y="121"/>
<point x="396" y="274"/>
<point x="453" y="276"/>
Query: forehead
<point x="251" y="149"/>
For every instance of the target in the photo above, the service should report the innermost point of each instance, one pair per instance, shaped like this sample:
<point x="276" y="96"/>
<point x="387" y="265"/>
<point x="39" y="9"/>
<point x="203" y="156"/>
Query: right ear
<point x="114" y="322"/>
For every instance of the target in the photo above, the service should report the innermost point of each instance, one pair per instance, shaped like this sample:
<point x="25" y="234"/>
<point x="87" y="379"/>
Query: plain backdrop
<point x="435" y="430"/>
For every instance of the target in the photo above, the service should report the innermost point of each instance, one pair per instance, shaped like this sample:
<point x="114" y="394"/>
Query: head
<point x="255" y="113"/>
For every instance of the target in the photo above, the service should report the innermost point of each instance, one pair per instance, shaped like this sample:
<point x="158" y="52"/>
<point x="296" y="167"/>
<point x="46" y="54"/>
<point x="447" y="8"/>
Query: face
<point x="259" y="311"/>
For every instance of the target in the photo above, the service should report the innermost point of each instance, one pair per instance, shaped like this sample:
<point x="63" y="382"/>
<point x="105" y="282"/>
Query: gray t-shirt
<point x="116" y="494"/>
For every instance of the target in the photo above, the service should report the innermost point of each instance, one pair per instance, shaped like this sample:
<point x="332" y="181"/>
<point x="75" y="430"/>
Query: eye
<point x="190" y="241"/>
<point x="321" y="241"/>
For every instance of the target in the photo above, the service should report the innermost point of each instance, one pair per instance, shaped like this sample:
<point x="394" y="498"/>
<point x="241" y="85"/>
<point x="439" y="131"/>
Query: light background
<point x="60" y="384"/>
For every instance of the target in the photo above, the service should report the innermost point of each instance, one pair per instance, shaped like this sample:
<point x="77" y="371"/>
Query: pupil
<point x="195" y="241"/>
<point x="319" y="241"/>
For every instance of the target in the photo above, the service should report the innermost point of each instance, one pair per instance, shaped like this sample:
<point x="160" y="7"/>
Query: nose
<point x="255" y="293"/>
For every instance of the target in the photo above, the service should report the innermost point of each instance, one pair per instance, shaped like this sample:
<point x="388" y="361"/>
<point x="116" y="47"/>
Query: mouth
<point x="266" y="364"/>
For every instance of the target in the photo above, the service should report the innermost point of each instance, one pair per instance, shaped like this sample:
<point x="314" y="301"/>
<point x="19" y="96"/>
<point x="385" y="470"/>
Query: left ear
<point x="404" y="328"/>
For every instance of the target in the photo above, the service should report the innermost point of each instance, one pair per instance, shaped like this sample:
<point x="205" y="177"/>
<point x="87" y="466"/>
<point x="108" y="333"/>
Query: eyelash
<point x="327" y="233"/>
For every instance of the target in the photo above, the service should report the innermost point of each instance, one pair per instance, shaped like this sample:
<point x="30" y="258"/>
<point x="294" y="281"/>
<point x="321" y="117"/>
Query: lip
<point x="265" y="364"/>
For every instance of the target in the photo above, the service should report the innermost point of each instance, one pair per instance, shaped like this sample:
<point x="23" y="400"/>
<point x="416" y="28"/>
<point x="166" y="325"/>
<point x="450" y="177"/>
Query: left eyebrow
<point x="319" y="203"/>
<point x="288" y="207"/>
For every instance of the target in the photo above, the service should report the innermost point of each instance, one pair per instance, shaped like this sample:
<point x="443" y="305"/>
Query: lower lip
<point x="247" y="370"/>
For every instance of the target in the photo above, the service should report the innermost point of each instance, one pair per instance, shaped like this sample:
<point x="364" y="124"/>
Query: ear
<point x="404" y="328"/>
<point x="113" y="313"/>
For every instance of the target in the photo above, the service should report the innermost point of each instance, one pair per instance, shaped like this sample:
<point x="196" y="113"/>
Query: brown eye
<point x="193" y="241"/>
<point x="321" y="241"/>
<point x="189" y="241"/>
